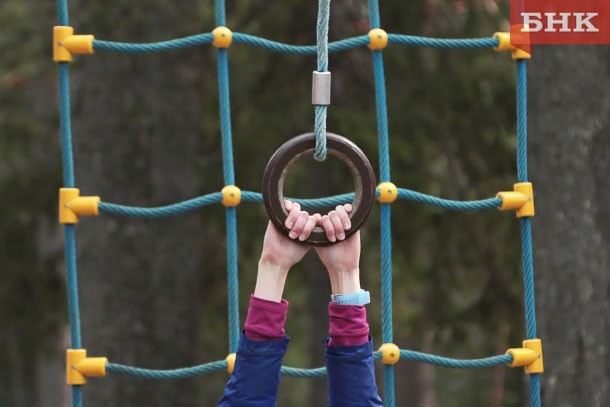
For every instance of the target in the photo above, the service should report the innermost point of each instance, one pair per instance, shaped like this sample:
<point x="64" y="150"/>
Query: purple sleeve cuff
<point x="348" y="326"/>
<point x="266" y="319"/>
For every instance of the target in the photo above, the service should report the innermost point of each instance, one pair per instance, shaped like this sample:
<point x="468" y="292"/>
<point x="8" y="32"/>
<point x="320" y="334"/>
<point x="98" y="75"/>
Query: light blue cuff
<point x="360" y="298"/>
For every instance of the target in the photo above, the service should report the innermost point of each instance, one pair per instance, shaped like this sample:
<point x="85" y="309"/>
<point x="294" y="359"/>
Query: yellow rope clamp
<point x="71" y="205"/>
<point x="223" y="37"/>
<point x="378" y="39"/>
<point x="521" y="199"/>
<point x="79" y="366"/>
<point x="231" y="195"/>
<point x="230" y="362"/>
<point x="529" y="356"/>
<point x="388" y="192"/>
<point x="390" y="353"/>
<point x="65" y="43"/>
<point x="505" y="45"/>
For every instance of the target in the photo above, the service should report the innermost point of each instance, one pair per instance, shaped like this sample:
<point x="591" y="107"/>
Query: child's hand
<point x="280" y="253"/>
<point x="342" y="260"/>
<point x="300" y="223"/>
<point x="336" y="222"/>
<point x="278" y="249"/>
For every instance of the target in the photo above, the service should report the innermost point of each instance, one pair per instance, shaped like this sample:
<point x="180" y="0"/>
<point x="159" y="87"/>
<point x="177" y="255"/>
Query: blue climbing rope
<point x="166" y="374"/>
<point x="303" y="373"/>
<point x="229" y="178"/>
<point x="322" y="34"/>
<point x="65" y="124"/>
<point x="187" y="372"/>
<point x="73" y="305"/>
<point x="162" y="46"/>
<point x="274" y="46"/>
<point x="68" y="178"/>
<point x="455" y="363"/>
<point x="386" y="211"/>
<point x="322" y="52"/>
<point x="320" y="131"/>
<point x="256" y="197"/>
<point x="522" y="120"/>
<point x="162" y="211"/>
<point x="526" y="226"/>
<point x="220" y="12"/>
<point x="69" y="232"/>
<point x="449" y="204"/>
<point x="442" y="42"/>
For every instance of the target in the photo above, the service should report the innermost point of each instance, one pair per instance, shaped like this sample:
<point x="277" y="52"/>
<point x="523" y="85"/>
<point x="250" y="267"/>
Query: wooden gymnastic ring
<point x="338" y="146"/>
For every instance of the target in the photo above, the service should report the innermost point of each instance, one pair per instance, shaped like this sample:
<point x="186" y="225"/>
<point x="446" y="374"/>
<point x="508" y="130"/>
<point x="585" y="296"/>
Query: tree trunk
<point x="136" y="125"/>
<point x="569" y="155"/>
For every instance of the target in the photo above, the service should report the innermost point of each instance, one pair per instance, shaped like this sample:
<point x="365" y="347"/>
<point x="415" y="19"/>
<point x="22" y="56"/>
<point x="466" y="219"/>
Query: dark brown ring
<point x="338" y="146"/>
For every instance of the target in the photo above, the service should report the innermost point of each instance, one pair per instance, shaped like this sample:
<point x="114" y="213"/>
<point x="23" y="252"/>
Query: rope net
<point x="248" y="196"/>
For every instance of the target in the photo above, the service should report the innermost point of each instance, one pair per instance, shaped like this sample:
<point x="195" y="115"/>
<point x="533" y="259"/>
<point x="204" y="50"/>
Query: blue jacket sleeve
<point x="351" y="376"/>
<point x="256" y="375"/>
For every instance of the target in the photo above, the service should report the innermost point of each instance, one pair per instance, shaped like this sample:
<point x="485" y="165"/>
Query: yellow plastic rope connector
<point x="378" y="39"/>
<point x="231" y="195"/>
<point x="505" y="45"/>
<point x="65" y="44"/>
<point x="71" y="205"/>
<point x="79" y="366"/>
<point x="223" y="37"/>
<point x="390" y="353"/>
<point x="230" y="362"/>
<point x="388" y="192"/>
<point x="521" y="199"/>
<point x="511" y="200"/>
<point x="521" y="357"/>
<point x="529" y="356"/>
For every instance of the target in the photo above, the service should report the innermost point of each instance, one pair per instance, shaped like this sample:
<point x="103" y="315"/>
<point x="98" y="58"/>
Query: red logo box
<point x="559" y="22"/>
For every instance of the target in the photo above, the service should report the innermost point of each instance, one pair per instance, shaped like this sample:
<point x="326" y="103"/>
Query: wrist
<point x="270" y="280"/>
<point x="345" y="282"/>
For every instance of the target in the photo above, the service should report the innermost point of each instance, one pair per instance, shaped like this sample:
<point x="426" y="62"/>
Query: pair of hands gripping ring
<point x="342" y="148"/>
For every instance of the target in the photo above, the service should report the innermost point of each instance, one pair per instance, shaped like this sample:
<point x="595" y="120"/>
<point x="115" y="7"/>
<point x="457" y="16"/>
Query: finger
<point x="292" y="215"/>
<point x="328" y="227"/>
<point x="345" y="220"/>
<point x="348" y="207"/>
<point x="336" y="220"/>
<point x="299" y="224"/>
<point x="318" y="218"/>
<point x="308" y="228"/>
<point x="288" y="205"/>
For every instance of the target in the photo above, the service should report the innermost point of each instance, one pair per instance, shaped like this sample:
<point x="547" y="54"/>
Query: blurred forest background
<point x="146" y="133"/>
